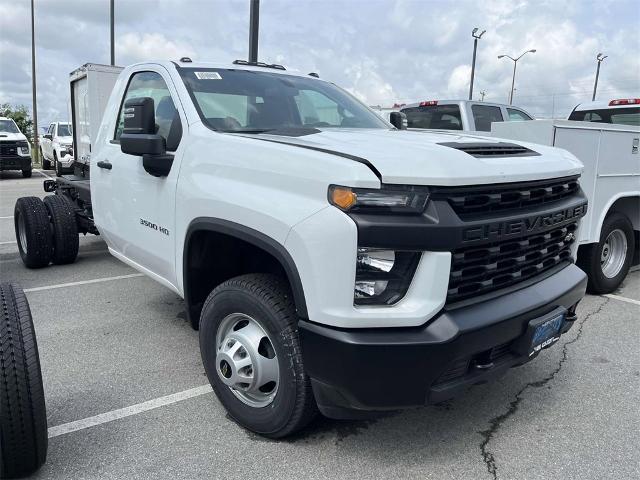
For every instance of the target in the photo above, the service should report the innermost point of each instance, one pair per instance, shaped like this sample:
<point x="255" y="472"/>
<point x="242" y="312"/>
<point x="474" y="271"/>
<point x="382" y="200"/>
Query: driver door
<point x="135" y="209"/>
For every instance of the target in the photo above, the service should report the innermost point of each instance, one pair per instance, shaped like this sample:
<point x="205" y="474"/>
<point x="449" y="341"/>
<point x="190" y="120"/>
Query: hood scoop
<point x="485" y="149"/>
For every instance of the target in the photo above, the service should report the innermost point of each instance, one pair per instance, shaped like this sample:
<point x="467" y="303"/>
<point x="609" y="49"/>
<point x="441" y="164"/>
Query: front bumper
<point x="354" y="371"/>
<point x="15" y="162"/>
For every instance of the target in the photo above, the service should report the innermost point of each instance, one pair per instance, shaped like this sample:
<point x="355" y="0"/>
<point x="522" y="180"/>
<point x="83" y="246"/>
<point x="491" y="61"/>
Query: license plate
<point x="546" y="334"/>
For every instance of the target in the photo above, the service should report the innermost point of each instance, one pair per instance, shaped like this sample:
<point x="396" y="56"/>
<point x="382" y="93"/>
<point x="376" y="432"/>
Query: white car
<point x="15" y="151"/>
<point x="465" y="115"/>
<point x="330" y="261"/>
<point x="56" y="148"/>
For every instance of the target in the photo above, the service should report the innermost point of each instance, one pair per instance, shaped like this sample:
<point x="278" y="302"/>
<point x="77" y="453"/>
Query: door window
<point x="483" y="115"/>
<point x="151" y="84"/>
<point x="517" y="115"/>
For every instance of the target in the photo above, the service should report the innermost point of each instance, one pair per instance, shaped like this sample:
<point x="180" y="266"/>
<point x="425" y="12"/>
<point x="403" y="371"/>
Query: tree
<point x="20" y="115"/>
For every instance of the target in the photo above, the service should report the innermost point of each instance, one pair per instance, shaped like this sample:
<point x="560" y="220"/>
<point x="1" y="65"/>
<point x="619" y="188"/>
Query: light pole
<point x="483" y="93"/>
<point x="33" y="82"/>
<point x="476" y="37"/>
<point x="112" y="32"/>
<point x="254" y="24"/>
<point x="515" y="63"/>
<point x="599" y="58"/>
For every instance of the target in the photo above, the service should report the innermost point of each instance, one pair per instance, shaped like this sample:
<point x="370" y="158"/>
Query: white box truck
<point x="91" y="85"/>
<point x="610" y="231"/>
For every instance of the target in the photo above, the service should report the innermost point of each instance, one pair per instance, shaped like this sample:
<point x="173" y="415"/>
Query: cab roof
<point x="608" y="104"/>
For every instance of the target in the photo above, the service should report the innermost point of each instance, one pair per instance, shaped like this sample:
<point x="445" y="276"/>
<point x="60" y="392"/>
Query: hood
<point x="418" y="158"/>
<point x="7" y="136"/>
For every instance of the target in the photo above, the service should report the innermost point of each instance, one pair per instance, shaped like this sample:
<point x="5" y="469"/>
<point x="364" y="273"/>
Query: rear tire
<point x="608" y="261"/>
<point x="288" y="405"/>
<point x="65" y="229"/>
<point x="23" y="417"/>
<point x="27" y="173"/>
<point x="33" y="232"/>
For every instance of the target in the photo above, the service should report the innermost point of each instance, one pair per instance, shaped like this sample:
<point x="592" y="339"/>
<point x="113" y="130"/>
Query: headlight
<point x="24" y="148"/>
<point x="387" y="199"/>
<point x="383" y="276"/>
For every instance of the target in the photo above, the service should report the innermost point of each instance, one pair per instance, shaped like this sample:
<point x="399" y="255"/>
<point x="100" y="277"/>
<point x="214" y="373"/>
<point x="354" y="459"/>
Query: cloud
<point x="133" y="47"/>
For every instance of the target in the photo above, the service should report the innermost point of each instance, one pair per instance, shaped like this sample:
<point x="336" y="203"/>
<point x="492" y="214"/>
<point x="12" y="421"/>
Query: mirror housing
<point x="48" y="136"/>
<point x="398" y="120"/>
<point x="139" y="137"/>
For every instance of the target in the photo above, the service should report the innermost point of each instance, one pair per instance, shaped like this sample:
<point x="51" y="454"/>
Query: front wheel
<point x="56" y="164"/>
<point x="46" y="164"/>
<point x="251" y="352"/>
<point x="608" y="261"/>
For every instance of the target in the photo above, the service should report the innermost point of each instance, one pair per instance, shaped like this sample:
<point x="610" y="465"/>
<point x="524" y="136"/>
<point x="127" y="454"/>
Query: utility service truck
<point x="605" y="137"/>
<point x="330" y="261"/>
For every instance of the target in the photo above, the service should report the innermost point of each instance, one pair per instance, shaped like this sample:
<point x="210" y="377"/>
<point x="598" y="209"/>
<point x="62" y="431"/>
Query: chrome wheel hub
<point x="614" y="253"/>
<point x="246" y="361"/>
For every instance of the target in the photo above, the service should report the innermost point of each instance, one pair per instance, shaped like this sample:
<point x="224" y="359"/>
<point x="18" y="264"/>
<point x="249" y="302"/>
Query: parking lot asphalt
<point x="110" y="349"/>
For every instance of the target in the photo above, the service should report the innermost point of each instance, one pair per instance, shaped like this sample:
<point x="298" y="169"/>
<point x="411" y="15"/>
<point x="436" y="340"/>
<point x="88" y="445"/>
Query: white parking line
<point x="127" y="411"/>
<point x="623" y="299"/>
<point x="83" y="282"/>
<point x="8" y="243"/>
<point x="6" y="218"/>
<point x="44" y="174"/>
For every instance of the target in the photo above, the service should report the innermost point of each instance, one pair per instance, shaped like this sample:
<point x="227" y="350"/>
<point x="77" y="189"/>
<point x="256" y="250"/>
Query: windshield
<point x="64" y="130"/>
<point x="8" y="126"/>
<point x="622" y="116"/>
<point x="440" y="117"/>
<point x="255" y="102"/>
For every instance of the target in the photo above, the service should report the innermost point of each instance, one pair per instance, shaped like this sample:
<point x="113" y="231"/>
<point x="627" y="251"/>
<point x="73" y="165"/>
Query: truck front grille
<point x="478" y="200"/>
<point x="479" y="270"/>
<point x="8" y="148"/>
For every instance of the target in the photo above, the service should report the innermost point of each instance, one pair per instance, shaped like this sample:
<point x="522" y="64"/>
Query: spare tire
<point x="65" y="229"/>
<point x="33" y="232"/>
<point x="23" y="417"/>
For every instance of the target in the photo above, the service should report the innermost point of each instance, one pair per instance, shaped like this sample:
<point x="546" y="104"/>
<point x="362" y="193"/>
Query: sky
<point x="383" y="51"/>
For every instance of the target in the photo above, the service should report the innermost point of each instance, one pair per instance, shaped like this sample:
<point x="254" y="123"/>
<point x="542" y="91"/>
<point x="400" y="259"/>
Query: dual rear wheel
<point x="46" y="231"/>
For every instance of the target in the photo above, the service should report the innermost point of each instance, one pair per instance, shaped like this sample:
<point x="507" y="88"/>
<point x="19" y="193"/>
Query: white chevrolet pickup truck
<point x="330" y="261"/>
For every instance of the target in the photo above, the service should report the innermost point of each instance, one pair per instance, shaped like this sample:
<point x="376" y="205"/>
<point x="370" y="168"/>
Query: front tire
<point x="23" y="418"/>
<point x="27" y="173"/>
<point x="57" y="165"/>
<point x="46" y="164"/>
<point x="65" y="229"/>
<point x="33" y="232"/>
<point x="251" y="352"/>
<point x="608" y="261"/>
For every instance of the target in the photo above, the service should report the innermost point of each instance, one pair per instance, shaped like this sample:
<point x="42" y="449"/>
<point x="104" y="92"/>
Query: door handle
<point x="103" y="164"/>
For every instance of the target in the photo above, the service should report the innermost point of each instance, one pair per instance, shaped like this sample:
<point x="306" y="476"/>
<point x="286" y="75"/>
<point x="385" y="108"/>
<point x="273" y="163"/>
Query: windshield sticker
<point x="208" y="76"/>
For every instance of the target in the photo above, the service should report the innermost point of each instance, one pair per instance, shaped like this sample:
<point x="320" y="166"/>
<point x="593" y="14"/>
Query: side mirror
<point x="47" y="136"/>
<point x="139" y="137"/>
<point x="398" y="120"/>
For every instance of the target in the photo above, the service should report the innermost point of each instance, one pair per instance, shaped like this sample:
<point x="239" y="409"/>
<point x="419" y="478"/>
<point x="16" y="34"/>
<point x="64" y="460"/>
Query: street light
<point x="473" y="62"/>
<point x="599" y="58"/>
<point x="515" y="63"/>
